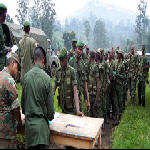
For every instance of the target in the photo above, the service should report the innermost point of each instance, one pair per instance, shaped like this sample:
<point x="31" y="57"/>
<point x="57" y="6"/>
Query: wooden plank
<point x="69" y="141"/>
<point x="99" y="141"/>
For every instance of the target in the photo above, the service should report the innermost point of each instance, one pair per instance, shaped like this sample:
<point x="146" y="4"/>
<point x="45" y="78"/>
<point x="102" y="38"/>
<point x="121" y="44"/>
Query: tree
<point x="142" y="22"/>
<point x="22" y="11"/>
<point x="87" y="30"/>
<point x="9" y="19"/>
<point x="48" y="17"/>
<point x="99" y="33"/>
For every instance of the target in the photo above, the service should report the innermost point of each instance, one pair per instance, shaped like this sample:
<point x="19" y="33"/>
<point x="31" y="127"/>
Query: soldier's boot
<point x="143" y="101"/>
<point x="139" y="97"/>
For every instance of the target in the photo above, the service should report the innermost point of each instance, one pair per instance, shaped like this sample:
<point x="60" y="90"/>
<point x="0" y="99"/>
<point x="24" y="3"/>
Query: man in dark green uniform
<point x="3" y="51"/>
<point x="66" y="81"/>
<point x="143" y="74"/>
<point x="37" y="103"/>
<point x="72" y="51"/>
<point x="77" y="63"/>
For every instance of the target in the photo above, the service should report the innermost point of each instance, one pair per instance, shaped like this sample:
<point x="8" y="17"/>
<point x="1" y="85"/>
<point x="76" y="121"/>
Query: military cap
<point x="74" y="40"/>
<point x="62" y="53"/>
<point x="14" y="56"/>
<point x="80" y="44"/>
<point x="26" y="24"/>
<point x="3" y="6"/>
<point x="100" y="50"/>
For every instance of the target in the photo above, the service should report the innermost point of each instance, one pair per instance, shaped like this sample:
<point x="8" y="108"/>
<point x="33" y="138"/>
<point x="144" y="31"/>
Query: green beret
<point x="26" y="24"/>
<point x="14" y="56"/>
<point x="74" y="40"/>
<point x="62" y="53"/>
<point x="80" y="44"/>
<point x="3" y="6"/>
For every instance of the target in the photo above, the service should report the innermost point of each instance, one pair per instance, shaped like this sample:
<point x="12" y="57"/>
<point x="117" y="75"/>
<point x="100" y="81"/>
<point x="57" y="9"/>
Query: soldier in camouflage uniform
<point x="66" y="81"/>
<point x="26" y="50"/>
<point x="78" y="64"/>
<point x="93" y="84"/>
<point x="103" y="84"/>
<point x="142" y="76"/>
<point x="133" y="72"/>
<point x="10" y="117"/>
<point x="73" y="50"/>
<point x="119" y="79"/>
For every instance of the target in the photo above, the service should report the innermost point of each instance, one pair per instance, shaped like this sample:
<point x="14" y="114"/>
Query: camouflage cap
<point x="100" y="50"/>
<point x="74" y="40"/>
<point x="3" y="6"/>
<point x="26" y="24"/>
<point x="62" y="53"/>
<point x="120" y="52"/>
<point x="80" y="44"/>
<point x="14" y="56"/>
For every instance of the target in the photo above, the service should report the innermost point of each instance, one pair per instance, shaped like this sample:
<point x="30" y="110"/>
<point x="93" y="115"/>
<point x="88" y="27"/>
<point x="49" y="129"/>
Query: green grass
<point x="134" y="130"/>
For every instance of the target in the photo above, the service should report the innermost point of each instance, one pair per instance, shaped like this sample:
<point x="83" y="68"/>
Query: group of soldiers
<point x="103" y="80"/>
<point x="99" y="79"/>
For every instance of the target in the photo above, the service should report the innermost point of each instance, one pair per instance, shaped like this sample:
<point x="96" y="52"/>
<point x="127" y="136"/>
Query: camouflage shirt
<point x="8" y="102"/>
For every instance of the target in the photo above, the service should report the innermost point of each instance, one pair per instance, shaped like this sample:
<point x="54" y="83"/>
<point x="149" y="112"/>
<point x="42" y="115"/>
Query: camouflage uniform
<point x="8" y="102"/>
<point x="92" y="87"/>
<point x="143" y="75"/>
<point x="79" y="65"/>
<point x="65" y="80"/>
<point x="26" y="51"/>
<point x="133" y="64"/>
<point x="2" y="49"/>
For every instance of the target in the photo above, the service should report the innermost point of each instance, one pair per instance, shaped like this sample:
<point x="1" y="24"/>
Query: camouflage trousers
<point x="98" y="110"/>
<point x="132" y="87"/>
<point x="2" y="62"/>
<point x="92" y="109"/>
<point x="141" y="91"/>
<point x="8" y="144"/>
<point x="119" y="98"/>
<point x="125" y="93"/>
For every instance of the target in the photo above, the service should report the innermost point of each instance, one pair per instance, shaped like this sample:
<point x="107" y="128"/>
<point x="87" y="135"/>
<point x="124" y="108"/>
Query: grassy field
<point x="134" y="130"/>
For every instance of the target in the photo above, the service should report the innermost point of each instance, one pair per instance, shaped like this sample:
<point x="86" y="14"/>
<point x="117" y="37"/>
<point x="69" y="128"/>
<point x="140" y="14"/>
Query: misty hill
<point x="105" y="11"/>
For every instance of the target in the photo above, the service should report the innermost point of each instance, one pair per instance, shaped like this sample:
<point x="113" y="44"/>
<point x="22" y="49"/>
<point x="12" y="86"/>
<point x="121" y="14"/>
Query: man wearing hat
<point x="119" y="79"/>
<point x="10" y="117"/>
<point x="3" y="37"/>
<point x="66" y="81"/>
<point x="77" y="63"/>
<point x="26" y="49"/>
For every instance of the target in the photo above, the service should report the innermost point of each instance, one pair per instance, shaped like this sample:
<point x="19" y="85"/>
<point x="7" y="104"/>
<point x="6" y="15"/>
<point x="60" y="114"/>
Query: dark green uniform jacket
<point x="38" y="106"/>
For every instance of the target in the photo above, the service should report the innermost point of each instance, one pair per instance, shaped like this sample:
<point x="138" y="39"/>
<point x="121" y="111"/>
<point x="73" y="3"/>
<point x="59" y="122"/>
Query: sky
<point x="67" y="8"/>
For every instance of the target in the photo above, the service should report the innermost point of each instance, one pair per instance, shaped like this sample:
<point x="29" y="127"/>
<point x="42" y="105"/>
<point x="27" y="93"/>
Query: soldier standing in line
<point x="77" y="63"/>
<point x="26" y="50"/>
<point x="10" y="117"/>
<point x="143" y="74"/>
<point x="133" y="72"/>
<point x="120" y="75"/>
<point x="93" y="84"/>
<point x="66" y="81"/>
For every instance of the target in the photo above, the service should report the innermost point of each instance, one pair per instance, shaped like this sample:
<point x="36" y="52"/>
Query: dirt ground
<point x="106" y="142"/>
